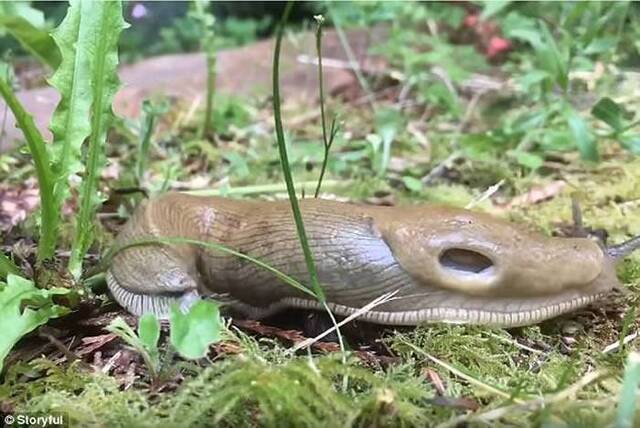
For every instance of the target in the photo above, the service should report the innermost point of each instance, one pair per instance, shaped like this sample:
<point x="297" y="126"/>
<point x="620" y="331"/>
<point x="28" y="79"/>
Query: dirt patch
<point x="244" y="71"/>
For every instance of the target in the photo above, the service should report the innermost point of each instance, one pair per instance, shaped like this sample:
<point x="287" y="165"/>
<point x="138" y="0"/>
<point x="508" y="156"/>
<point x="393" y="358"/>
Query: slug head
<point x="465" y="261"/>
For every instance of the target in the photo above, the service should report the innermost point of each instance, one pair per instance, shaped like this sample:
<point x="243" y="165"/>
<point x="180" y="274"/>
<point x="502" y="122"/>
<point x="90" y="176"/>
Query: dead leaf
<point x="17" y="203"/>
<point x="456" y="402"/>
<point x="93" y="343"/>
<point x="435" y="379"/>
<point x="536" y="195"/>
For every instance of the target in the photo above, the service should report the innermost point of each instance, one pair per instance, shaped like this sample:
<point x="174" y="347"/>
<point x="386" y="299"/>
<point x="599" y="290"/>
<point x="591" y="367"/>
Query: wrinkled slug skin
<point x="444" y="264"/>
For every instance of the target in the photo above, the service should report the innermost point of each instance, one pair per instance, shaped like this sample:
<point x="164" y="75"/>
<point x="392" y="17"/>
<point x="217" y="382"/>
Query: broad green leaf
<point x="149" y="331"/>
<point x="601" y="45"/>
<point x="438" y="92"/>
<point x="36" y="41"/>
<point x="492" y="8"/>
<point x="631" y="143"/>
<point x="238" y="165"/>
<point x="192" y="333"/>
<point x="478" y="146"/>
<point x="610" y="113"/>
<point x="532" y="78"/>
<point x="529" y="35"/>
<point x="552" y="59"/>
<point x="23" y="307"/>
<point x="516" y="22"/>
<point x="24" y="10"/>
<point x="529" y="160"/>
<point x="582" y="135"/>
<point x="557" y="139"/>
<point x="412" y="183"/>
<point x="548" y="56"/>
<point x="87" y="80"/>
<point x="530" y="121"/>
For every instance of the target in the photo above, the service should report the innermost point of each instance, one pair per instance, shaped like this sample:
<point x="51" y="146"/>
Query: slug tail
<point x="620" y="251"/>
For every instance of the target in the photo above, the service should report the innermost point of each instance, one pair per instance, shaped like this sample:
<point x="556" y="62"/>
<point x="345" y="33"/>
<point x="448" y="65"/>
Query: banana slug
<point x="445" y="264"/>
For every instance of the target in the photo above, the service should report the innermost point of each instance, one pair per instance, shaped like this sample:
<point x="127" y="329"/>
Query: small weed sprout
<point x="327" y="139"/>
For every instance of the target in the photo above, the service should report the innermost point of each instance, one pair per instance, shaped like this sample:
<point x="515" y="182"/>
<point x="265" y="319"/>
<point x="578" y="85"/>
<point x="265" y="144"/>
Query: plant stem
<point x="208" y="44"/>
<point x="50" y="217"/>
<point x="148" y="124"/>
<point x="261" y="188"/>
<point x="284" y="161"/>
<point x="326" y="140"/>
<point x="106" y="260"/>
<point x="211" y="90"/>
<point x="352" y="59"/>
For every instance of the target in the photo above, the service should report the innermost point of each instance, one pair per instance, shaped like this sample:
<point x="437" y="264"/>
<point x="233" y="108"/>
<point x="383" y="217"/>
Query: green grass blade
<point x="284" y="160"/>
<point x="218" y="247"/>
<point x="49" y="217"/>
<point x="265" y="188"/>
<point x="100" y="49"/>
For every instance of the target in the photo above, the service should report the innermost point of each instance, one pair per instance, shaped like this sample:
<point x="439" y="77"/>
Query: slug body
<point x="445" y="264"/>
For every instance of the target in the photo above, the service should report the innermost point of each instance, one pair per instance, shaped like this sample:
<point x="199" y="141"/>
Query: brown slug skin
<point x="445" y="264"/>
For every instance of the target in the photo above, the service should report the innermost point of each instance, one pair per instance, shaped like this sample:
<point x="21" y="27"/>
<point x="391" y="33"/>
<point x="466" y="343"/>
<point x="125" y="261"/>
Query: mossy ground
<point x="553" y="374"/>
<point x="438" y="374"/>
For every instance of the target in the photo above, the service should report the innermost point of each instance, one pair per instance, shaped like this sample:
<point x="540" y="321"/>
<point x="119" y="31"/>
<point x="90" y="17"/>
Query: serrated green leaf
<point x="17" y="321"/>
<point x="582" y="135"/>
<point x="192" y="333"/>
<point x="88" y="85"/>
<point x="609" y="112"/>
